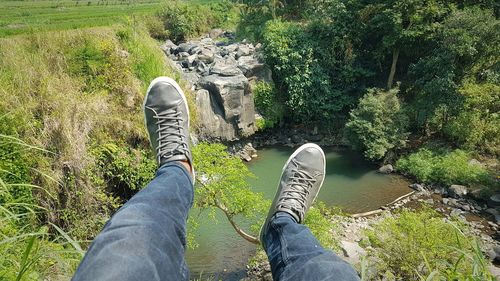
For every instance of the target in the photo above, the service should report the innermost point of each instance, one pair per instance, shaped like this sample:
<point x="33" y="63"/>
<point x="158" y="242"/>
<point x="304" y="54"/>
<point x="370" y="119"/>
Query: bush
<point x="477" y="125"/>
<point x="442" y="168"/>
<point x="187" y="20"/>
<point x="124" y="170"/>
<point x="266" y="101"/>
<point x="377" y="125"/>
<point x="413" y="245"/>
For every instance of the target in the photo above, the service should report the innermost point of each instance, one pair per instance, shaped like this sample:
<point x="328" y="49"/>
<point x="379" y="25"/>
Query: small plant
<point x="412" y="245"/>
<point x="443" y="168"/>
<point x="266" y="101"/>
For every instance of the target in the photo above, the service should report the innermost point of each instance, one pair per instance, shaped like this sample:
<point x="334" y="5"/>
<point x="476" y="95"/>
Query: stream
<point x="351" y="183"/>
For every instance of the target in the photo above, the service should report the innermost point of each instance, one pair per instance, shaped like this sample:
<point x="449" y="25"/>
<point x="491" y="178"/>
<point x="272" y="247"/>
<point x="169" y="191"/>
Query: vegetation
<point x="422" y="246"/>
<point x="391" y="74"/>
<point x="377" y="124"/>
<point x="183" y="20"/>
<point x="21" y="17"/>
<point x="444" y="168"/>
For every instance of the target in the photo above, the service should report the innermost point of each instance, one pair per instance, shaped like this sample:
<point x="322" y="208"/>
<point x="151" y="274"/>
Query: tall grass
<point x="27" y="250"/>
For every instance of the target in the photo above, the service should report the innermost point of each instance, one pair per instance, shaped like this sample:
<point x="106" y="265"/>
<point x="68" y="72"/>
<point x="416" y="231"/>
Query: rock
<point x="215" y="33"/>
<point x="352" y="251"/>
<point x="429" y="201"/>
<point x="206" y="55"/>
<point x="466" y="207"/>
<point x="416" y="186"/>
<point x="253" y="69"/>
<point x="446" y="201"/>
<point x="475" y="162"/>
<point x="494" y="200"/>
<point x="168" y="47"/>
<point x="457" y="191"/>
<point x="243" y="50"/>
<point x="495" y="271"/>
<point x="191" y="77"/>
<point x="232" y="103"/>
<point x="185" y="47"/>
<point x="386" y="169"/>
<point x="455" y="212"/>
<point x="225" y="67"/>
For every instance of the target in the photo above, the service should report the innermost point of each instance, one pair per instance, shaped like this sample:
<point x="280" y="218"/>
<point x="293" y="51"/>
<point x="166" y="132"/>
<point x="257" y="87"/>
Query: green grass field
<point x="18" y="17"/>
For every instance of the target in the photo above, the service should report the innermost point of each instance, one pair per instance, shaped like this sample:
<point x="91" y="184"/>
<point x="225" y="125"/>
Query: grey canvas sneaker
<point x="301" y="180"/>
<point x="166" y="115"/>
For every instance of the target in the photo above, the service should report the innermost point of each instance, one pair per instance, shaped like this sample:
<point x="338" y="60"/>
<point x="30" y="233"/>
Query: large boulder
<point x="211" y="122"/>
<point x="225" y="67"/>
<point x="253" y="69"/>
<point x="232" y="99"/>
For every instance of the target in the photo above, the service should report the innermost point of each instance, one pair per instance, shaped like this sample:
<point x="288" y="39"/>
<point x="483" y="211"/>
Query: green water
<point x="351" y="183"/>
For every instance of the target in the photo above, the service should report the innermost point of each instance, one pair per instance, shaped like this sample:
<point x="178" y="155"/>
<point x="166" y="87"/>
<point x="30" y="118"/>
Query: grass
<point x="21" y="17"/>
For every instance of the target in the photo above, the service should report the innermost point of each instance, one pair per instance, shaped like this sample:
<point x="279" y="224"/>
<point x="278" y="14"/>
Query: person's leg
<point x="293" y="252"/>
<point x="145" y="239"/>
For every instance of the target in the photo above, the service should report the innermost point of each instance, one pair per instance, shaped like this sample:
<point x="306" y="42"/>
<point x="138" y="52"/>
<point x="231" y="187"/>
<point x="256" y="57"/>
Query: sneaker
<point x="301" y="180"/>
<point x="166" y="115"/>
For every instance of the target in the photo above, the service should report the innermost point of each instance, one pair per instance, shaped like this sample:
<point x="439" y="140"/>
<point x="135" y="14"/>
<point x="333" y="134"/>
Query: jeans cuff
<point x="177" y="164"/>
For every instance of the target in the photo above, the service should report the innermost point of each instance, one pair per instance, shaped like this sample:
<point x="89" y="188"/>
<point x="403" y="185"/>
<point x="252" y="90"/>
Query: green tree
<point x="377" y="125"/>
<point x="221" y="184"/>
<point x="466" y="52"/>
<point x="391" y="28"/>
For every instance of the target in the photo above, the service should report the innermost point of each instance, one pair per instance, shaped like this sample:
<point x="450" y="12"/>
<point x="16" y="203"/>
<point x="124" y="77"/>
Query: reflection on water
<point x="351" y="183"/>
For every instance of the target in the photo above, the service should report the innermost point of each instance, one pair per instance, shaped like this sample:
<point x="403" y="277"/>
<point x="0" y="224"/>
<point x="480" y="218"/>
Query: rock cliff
<point x="221" y="75"/>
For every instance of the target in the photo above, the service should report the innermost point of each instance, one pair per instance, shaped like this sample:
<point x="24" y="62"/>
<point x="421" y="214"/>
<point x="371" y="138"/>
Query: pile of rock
<point x="221" y="75"/>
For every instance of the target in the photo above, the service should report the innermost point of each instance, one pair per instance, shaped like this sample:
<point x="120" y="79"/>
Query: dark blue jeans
<point x="146" y="239"/>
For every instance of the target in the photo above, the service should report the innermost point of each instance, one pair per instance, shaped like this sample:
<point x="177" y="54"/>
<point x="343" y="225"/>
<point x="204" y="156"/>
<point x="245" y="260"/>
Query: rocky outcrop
<point x="221" y="74"/>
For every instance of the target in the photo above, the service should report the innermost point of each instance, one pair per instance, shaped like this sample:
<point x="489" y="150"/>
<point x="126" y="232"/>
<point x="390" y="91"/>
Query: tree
<point x="378" y="124"/>
<point x="395" y="27"/>
<point x="466" y="53"/>
<point x="221" y="184"/>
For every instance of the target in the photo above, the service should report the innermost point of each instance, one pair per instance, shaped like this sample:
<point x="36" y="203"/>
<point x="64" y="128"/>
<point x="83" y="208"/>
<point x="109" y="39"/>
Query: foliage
<point x="377" y="125"/>
<point x="123" y="169"/>
<point x="222" y="184"/>
<point x="70" y="93"/>
<point x="416" y="244"/>
<point x="317" y="221"/>
<point x="477" y="126"/>
<point x="465" y="53"/>
<point x="443" y="168"/>
<point x="187" y="20"/>
<point x="305" y="72"/>
<point x="266" y="101"/>
<point x="27" y="251"/>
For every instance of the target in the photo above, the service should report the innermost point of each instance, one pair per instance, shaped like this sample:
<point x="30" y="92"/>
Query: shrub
<point x="187" y="20"/>
<point x="443" y="168"/>
<point x="124" y="170"/>
<point x="477" y="125"/>
<point x="266" y="101"/>
<point x="417" y="244"/>
<point x="313" y="71"/>
<point x="377" y="125"/>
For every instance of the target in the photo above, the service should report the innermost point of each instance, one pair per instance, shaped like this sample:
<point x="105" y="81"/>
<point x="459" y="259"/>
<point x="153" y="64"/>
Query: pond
<point x="351" y="183"/>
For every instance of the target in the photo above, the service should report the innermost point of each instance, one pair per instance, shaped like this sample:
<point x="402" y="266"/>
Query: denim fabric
<point x="145" y="239"/>
<point x="295" y="254"/>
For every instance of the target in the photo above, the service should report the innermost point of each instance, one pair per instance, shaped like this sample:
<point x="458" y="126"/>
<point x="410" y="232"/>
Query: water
<point x="351" y="183"/>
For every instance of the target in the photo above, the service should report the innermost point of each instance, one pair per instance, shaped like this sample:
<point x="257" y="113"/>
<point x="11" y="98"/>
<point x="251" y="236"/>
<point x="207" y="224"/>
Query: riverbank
<point x="350" y="230"/>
